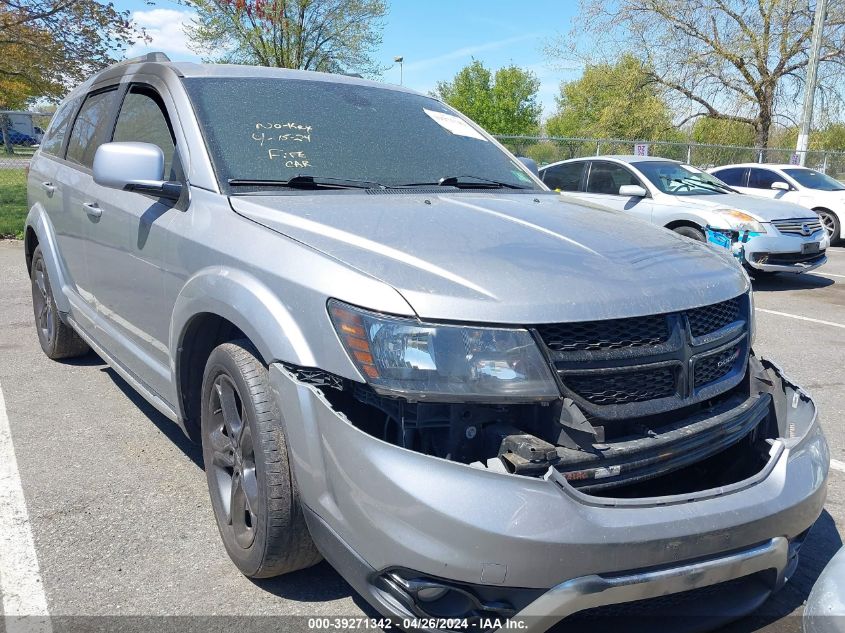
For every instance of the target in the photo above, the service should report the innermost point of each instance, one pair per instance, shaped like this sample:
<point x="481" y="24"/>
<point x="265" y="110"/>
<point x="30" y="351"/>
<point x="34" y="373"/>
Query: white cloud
<point x="466" y="51"/>
<point x="165" y="27"/>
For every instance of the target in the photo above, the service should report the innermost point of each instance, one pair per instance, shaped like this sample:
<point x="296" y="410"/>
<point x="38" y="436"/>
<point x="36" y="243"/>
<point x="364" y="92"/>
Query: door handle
<point x="92" y="209"/>
<point x="49" y="187"/>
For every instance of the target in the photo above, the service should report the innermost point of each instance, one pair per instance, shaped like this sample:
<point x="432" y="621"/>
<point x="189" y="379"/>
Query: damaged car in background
<point x="400" y="351"/>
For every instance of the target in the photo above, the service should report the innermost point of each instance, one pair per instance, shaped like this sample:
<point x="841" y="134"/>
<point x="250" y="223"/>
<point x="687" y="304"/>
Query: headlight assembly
<point x="740" y="221"/>
<point x="442" y="363"/>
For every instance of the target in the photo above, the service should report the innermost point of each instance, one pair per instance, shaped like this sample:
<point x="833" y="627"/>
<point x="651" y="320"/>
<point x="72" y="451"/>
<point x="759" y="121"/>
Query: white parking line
<point x="801" y="318"/>
<point x="835" y="464"/>
<point x="24" y="602"/>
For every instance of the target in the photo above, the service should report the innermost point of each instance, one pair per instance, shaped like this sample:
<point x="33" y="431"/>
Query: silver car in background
<point x="403" y="353"/>
<point x="785" y="236"/>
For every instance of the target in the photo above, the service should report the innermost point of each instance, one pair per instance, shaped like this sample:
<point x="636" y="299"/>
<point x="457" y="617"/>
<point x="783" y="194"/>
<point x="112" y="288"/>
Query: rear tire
<point x="255" y="500"/>
<point x="691" y="232"/>
<point x="58" y="340"/>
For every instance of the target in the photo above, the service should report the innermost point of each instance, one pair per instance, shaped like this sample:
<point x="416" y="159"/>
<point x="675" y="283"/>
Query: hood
<point x="509" y="259"/>
<point x="763" y="209"/>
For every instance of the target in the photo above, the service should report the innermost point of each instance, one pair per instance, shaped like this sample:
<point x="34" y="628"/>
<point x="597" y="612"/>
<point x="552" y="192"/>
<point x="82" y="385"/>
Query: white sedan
<point x="784" y="237"/>
<point x="791" y="183"/>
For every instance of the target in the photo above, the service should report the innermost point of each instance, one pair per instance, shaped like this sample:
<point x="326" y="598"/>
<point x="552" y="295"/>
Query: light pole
<point x="401" y="61"/>
<point x="810" y="88"/>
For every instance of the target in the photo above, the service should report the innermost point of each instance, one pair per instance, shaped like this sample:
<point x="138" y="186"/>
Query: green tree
<point x="323" y="35"/>
<point x="612" y="101"/>
<point x="829" y="138"/>
<point x="722" y="132"/>
<point x="504" y="102"/>
<point x="727" y="59"/>
<point x="49" y="45"/>
<point x="832" y="137"/>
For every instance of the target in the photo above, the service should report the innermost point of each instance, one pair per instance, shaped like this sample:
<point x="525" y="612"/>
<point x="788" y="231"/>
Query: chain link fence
<point x="547" y="150"/>
<point x="20" y="133"/>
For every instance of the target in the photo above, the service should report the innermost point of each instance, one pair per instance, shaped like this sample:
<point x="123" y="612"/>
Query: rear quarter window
<point x="54" y="138"/>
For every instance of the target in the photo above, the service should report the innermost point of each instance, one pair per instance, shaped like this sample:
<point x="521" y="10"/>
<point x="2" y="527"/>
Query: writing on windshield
<point x="277" y="138"/>
<point x="343" y="131"/>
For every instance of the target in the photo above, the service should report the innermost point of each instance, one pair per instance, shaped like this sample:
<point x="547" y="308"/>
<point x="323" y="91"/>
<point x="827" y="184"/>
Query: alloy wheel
<point x="42" y="299"/>
<point x="233" y="457"/>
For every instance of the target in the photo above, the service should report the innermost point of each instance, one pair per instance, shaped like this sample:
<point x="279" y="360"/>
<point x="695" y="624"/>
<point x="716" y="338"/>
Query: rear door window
<point x="565" y="177"/>
<point x="90" y="130"/>
<point x="733" y="176"/>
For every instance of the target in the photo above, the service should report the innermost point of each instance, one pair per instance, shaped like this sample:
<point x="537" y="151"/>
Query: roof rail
<point x="149" y="57"/>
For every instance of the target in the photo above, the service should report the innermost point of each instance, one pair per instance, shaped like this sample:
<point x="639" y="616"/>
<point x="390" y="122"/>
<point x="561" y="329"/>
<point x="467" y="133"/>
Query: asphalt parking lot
<point x="119" y="513"/>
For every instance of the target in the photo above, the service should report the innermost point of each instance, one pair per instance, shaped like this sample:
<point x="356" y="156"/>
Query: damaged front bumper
<point x="786" y="253"/>
<point x="395" y="522"/>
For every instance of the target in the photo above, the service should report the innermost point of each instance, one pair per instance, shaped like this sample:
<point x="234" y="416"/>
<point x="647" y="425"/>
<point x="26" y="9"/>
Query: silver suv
<point x="402" y="352"/>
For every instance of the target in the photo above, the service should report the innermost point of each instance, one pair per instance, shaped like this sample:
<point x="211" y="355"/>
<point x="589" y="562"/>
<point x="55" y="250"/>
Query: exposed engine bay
<point x="711" y="443"/>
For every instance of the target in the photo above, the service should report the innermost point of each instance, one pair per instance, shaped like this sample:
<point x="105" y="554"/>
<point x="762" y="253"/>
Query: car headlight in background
<point x="425" y="361"/>
<point x="740" y="221"/>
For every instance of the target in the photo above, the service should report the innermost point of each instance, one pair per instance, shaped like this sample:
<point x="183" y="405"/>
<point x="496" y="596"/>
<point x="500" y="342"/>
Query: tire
<point x="831" y="224"/>
<point x="691" y="232"/>
<point x="255" y="501"/>
<point x="58" y="340"/>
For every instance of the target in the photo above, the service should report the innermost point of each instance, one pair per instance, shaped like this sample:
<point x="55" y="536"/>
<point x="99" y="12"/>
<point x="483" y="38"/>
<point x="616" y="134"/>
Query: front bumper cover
<point x="379" y="506"/>
<point x="774" y="252"/>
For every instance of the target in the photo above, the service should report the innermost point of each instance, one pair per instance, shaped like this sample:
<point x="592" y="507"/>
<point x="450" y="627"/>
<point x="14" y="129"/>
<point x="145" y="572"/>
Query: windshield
<point x="681" y="180"/>
<point x="265" y="132"/>
<point x="812" y="179"/>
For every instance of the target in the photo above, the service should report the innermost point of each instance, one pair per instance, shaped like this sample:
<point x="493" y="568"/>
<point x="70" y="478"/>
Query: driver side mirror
<point x="130" y="166"/>
<point x="781" y="186"/>
<point x="633" y="191"/>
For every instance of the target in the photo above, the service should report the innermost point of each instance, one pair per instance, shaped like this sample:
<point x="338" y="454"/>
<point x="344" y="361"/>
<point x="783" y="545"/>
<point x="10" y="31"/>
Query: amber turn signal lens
<point x="354" y="337"/>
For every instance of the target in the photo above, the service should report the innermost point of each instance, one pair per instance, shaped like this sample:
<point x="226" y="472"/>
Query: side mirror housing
<point x="633" y="191"/>
<point x="130" y="166"/>
<point x="781" y="186"/>
<point x="530" y="163"/>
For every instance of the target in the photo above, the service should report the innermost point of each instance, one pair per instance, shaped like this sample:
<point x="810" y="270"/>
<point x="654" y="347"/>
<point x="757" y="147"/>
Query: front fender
<point x="38" y="220"/>
<point x="246" y="302"/>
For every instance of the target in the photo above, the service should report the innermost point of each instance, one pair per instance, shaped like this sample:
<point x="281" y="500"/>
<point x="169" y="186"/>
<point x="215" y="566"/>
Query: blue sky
<point x="436" y="37"/>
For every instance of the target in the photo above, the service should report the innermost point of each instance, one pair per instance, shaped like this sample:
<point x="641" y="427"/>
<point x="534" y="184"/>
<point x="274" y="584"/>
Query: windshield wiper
<point x="712" y="186"/>
<point x="477" y="183"/>
<point x="303" y="181"/>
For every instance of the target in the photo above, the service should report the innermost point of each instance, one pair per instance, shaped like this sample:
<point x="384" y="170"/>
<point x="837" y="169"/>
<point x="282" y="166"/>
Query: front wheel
<point x="830" y="222"/>
<point x="253" y="494"/>
<point x="691" y="232"/>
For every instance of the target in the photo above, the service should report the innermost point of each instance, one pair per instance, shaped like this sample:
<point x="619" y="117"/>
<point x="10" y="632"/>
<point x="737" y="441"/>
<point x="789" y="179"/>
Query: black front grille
<point x="611" y="334"/>
<point x="714" y="317"/>
<point x="624" y="387"/>
<point x="615" y="367"/>
<point x="715" y="366"/>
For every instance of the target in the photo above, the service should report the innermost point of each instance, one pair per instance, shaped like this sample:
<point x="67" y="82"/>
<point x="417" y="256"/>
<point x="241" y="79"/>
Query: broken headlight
<point x="443" y="363"/>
